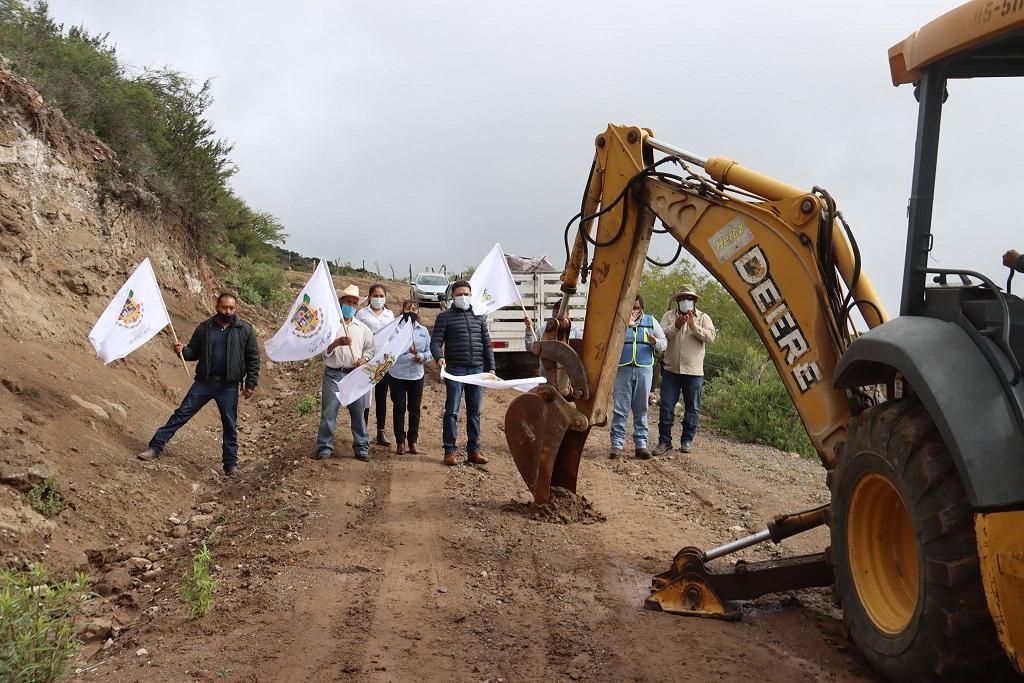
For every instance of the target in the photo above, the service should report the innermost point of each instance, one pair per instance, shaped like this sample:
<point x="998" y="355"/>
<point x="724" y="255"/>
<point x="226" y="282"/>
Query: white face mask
<point x="685" y="305"/>
<point x="462" y="301"/>
<point x="377" y="302"/>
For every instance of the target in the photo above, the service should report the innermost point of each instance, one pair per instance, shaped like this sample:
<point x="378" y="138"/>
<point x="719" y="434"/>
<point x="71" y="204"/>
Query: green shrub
<point x="755" y="406"/>
<point x="258" y="283"/>
<point x="197" y="586"/>
<point x="37" y="638"/>
<point x="45" y="498"/>
<point x="307" y="404"/>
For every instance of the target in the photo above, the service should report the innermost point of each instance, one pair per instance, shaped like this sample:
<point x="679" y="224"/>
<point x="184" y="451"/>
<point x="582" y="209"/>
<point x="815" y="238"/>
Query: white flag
<point x="135" y="315"/>
<point x="492" y="381"/>
<point x="381" y="336"/>
<point x="358" y="382"/>
<point x="314" y="315"/>
<point x="492" y="283"/>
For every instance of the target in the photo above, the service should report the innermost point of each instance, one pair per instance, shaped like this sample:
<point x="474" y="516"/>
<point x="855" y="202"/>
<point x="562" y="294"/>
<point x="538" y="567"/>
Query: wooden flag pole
<point x="182" y="357"/>
<point x="351" y="348"/>
<point x="527" y="316"/>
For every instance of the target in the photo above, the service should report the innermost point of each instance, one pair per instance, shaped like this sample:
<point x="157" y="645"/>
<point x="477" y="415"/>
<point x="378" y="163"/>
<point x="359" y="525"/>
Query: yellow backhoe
<point x="917" y="419"/>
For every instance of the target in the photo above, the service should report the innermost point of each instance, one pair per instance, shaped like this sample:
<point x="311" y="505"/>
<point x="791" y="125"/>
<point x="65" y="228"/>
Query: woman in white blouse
<point x="376" y="316"/>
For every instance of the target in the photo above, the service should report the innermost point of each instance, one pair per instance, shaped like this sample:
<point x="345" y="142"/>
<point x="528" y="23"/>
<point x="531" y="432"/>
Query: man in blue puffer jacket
<point x="466" y="351"/>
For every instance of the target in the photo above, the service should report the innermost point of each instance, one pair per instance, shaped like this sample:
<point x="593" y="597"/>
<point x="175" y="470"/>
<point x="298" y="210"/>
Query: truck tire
<point x="905" y="552"/>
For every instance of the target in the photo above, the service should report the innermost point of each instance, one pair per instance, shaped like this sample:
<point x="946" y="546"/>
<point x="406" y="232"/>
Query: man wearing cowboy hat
<point x="687" y="330"/>
<point x="352" y="347"/>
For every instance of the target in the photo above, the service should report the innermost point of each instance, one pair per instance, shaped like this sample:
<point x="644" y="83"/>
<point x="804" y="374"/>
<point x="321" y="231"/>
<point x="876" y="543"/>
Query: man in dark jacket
<point x="228" y="355"/>
<point x="467" y="350"/>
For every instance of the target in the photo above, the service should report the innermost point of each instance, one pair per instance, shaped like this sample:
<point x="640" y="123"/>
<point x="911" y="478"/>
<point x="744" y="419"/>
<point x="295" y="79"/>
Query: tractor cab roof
<point x="978" y="39"/>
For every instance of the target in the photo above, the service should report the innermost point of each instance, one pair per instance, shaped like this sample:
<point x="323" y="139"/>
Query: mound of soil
<point x="565" y="507"/>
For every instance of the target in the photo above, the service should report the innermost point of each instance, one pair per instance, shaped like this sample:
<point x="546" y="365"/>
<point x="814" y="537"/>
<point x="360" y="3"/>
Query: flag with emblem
<point x="132" y="318"/>
<point x="355" y="384"/>
<point x="314" y="315"/>
<point x="492" y="283"/>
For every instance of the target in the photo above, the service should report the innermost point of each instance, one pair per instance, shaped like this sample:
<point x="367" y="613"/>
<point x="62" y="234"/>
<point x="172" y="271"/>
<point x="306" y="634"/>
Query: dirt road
<point x="402" y="569"/>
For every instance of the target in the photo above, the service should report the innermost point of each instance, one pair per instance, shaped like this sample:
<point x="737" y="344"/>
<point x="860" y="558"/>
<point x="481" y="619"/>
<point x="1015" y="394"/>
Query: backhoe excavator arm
<point x="780" y="251"/>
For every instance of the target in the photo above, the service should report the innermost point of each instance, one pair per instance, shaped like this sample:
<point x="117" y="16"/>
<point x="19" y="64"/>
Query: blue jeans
<point x="672" y="385"/>
<point x="329" y="407"/>
<point x="474" y="404"/>
<point x="199" y="394"/>
<point x="632" y="388"/>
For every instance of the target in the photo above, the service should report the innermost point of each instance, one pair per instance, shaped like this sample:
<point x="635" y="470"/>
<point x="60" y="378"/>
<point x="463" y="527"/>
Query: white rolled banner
<point x="492" y="381"/>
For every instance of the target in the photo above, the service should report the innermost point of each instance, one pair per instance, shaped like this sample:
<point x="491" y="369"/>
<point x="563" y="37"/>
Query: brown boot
<point x="382" y="439"/>
<point x="413" y="449"/>
<point x="400" y="448"/>
<point x="450" y="459"/>
<point x="476" y="459"/>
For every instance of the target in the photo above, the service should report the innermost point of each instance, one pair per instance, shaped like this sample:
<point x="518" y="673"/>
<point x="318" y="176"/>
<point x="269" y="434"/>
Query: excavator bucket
<point x="545" y="436"/>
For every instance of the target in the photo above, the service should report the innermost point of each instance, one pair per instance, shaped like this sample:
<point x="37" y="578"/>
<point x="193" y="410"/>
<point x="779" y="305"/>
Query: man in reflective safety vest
<point x="644" y="339"/>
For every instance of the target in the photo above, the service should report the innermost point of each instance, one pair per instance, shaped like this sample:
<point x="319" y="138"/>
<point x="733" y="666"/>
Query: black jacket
<point x="243" y="352"/>
<point x="465" y="339"/>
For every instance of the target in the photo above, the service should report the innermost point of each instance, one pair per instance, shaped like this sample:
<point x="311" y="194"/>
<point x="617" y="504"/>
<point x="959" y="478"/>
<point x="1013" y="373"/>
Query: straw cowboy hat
<point x="351" y="290"/>
<point x="685" y="292"/>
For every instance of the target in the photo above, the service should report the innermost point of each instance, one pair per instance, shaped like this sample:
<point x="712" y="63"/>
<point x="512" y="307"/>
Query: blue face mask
<point x="347" y="311"/>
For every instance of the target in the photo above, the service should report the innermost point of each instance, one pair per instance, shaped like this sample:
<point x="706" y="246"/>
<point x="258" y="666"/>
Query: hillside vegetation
<point x="169" y="155"/>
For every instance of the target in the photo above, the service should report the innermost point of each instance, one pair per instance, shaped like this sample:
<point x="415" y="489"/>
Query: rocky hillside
<point x="71" y="230"/>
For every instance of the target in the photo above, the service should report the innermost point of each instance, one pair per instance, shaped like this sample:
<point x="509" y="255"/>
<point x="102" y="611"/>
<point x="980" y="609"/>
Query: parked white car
<point x="428" y="288"/>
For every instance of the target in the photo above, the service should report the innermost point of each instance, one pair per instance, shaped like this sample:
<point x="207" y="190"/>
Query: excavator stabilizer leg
<point x="690" y="588"/>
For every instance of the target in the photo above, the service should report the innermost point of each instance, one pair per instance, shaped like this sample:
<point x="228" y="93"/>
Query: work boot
<point x="382" y="439"/>
<point x="412" y="448"/>
<point x="662" y="448"/>
<point x="686" y="447"/>
<point x="616" y="452"/>
<point x="643" y="454"/>
<point x="476" y="459"/>
<point x="148" y="454"/>
<point x="400" y="448"/>
<point x="450" y="459"/>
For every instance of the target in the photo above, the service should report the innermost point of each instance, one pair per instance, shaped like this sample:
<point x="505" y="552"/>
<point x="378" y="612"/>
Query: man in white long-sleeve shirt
<point x="352" y="347"/>
<point x="688" y="330"/>
<point x="644" y="339"/>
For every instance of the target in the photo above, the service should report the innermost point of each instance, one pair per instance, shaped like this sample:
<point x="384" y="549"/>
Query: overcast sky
<point x="423" y="132"/>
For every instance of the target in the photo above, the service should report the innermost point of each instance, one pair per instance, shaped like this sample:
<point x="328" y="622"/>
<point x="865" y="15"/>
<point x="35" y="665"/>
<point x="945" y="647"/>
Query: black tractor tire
<point x="950" y="635"/>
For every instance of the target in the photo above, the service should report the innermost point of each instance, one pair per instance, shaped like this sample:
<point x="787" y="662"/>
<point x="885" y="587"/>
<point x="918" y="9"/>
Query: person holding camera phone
<point x="688" y="331"/>
<point x="644" y="339"/>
